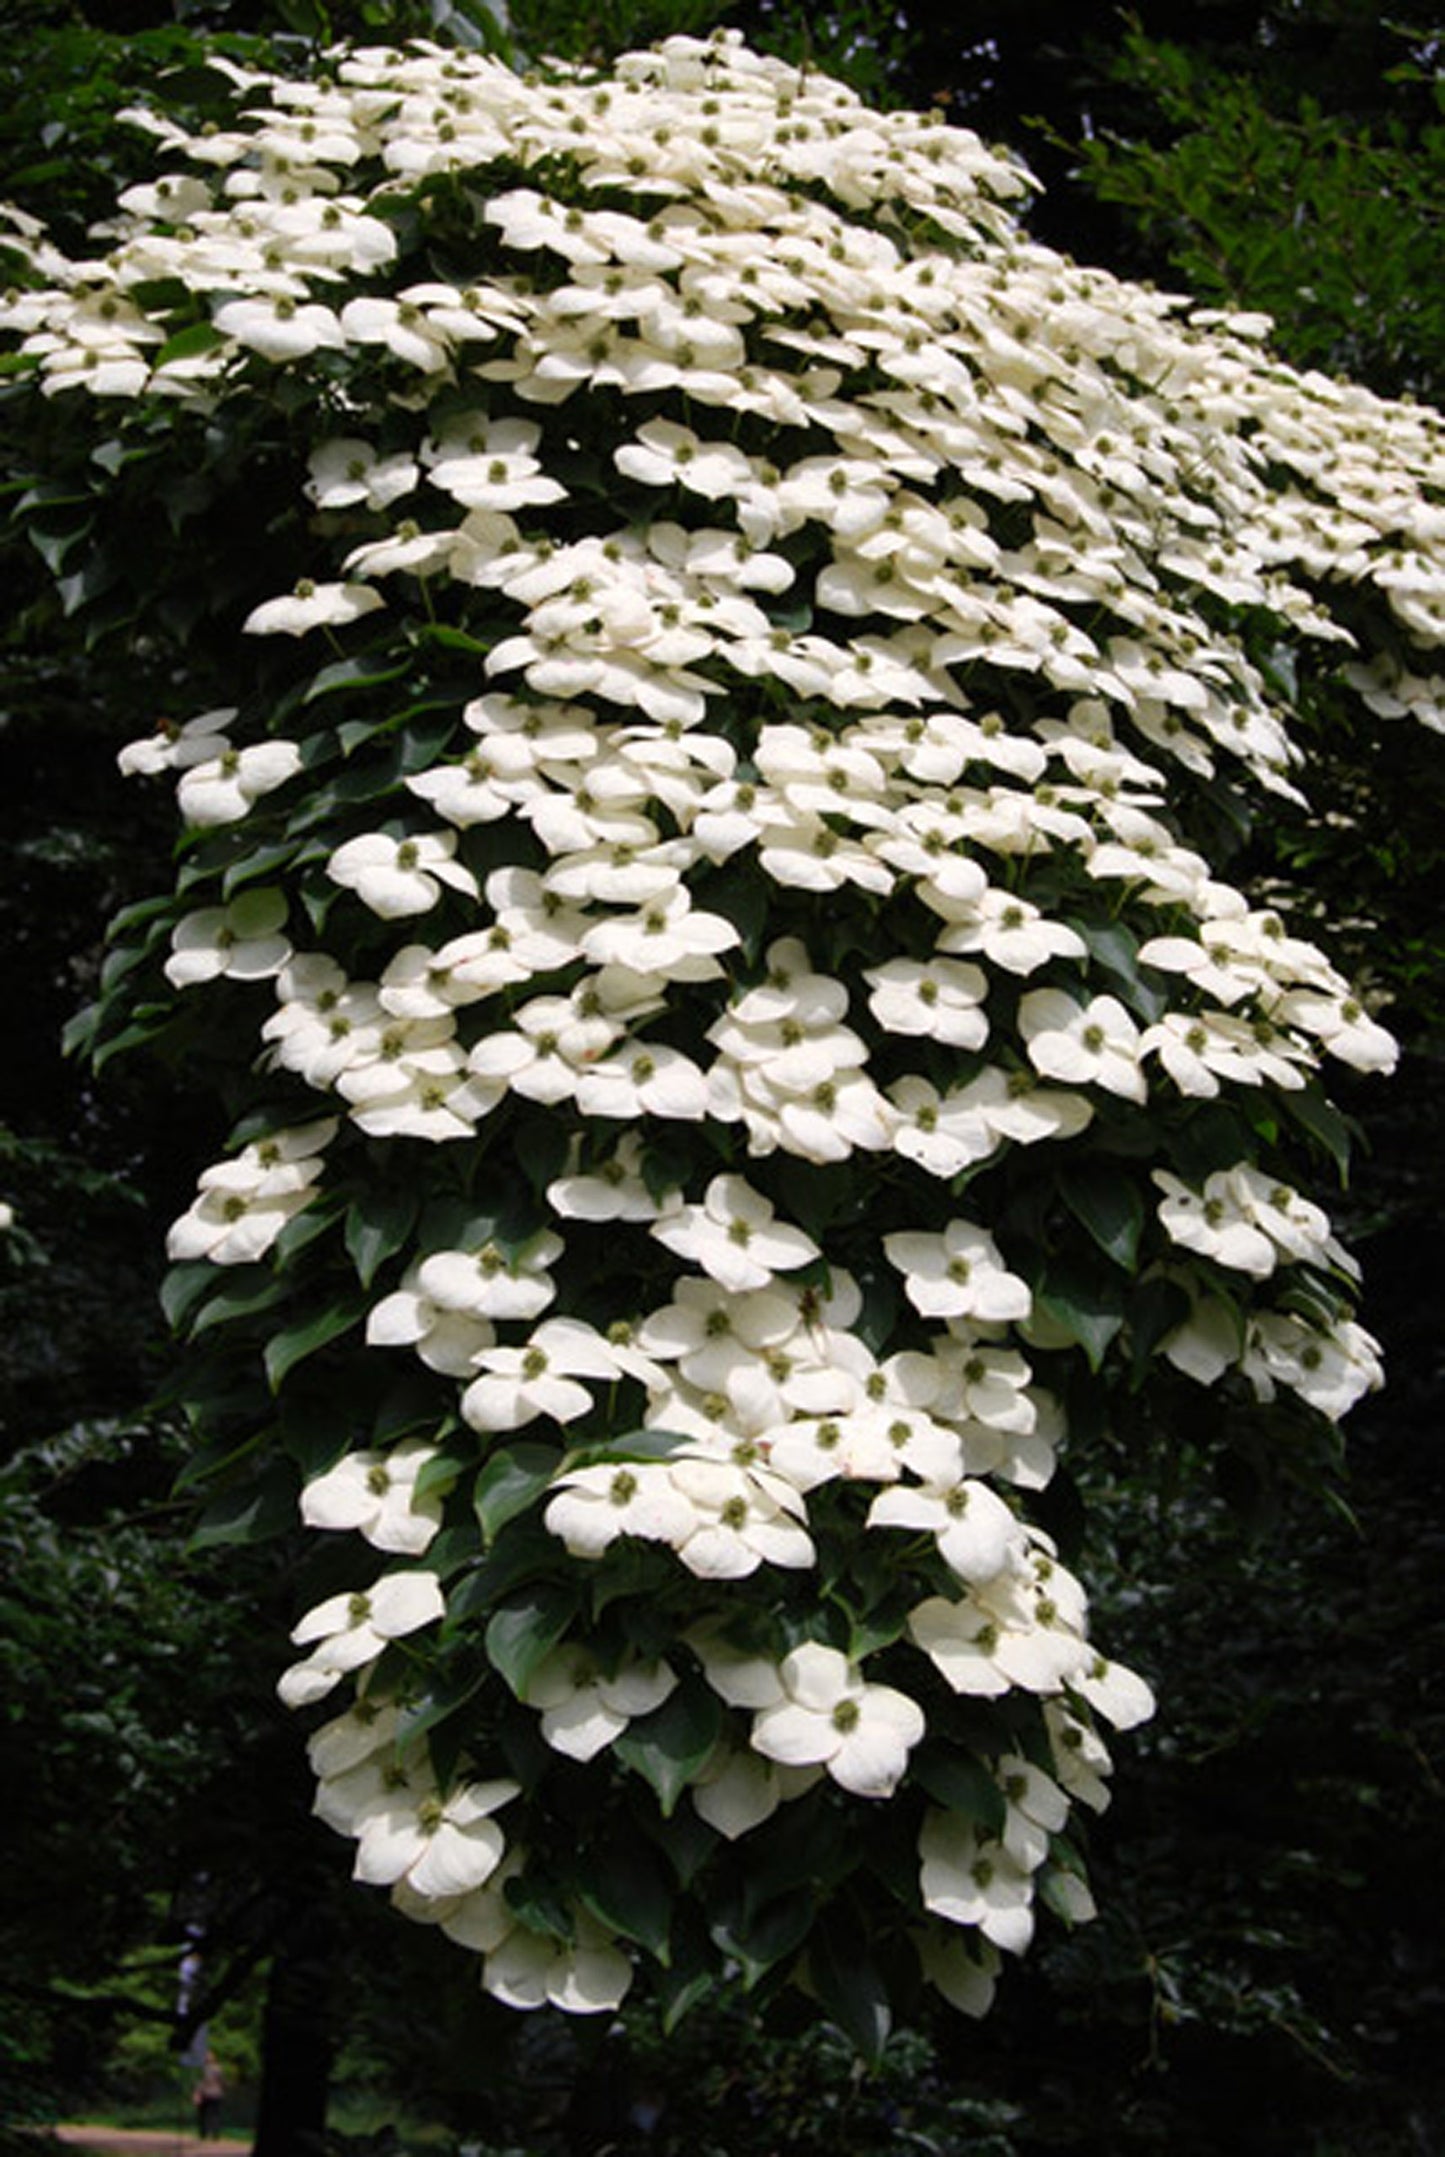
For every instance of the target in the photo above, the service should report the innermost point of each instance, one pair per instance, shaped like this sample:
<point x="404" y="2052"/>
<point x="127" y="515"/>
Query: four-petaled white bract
<point x="827" y="1715"/>
<point x="375" y="1493"/>
<point x="352" y="1630"/>
<point x="734" y="1236"/>
<point x="778" y="902"/>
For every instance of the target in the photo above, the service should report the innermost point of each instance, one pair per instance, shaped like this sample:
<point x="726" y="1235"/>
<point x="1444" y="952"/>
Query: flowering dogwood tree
<point x="709" y="900"/>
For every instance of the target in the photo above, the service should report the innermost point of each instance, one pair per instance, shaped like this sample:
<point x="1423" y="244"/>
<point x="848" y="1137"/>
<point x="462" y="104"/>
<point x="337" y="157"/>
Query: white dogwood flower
<point x="375" y="1493"/>
<point x="243" y="1204"/>
<point x="312" y="606"/>
<point x="971" y="1879"/>
<point x="399" y="877"/>
<point x="595" y="1506"/>
<point x="734" y="1236"/>
<point x="222" y="789"/>
<point x="975" y="1532"/>
<point x="826" y="1714"/>
<point x="940" y="1000"/>
<point x="958" y="1274"/>
<point x="352" y="1630"/>
<point x="440" y="1845"/>
<point x="1083" y="1044"/>
<point x="240" y="940"/>
<point x="517" y="1385"/>
<point x="584" y="1707"/>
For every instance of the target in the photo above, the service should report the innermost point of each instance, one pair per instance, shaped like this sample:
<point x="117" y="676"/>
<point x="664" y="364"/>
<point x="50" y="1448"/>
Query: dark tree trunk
<point x="298" y="2042"/>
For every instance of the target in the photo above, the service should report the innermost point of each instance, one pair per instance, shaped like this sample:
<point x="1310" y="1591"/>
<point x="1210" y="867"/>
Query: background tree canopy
<point x="1264" y="1969"/>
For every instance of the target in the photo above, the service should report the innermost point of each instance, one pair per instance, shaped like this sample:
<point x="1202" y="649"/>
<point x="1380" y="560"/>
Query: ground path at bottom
<point x="144" y="2142"/>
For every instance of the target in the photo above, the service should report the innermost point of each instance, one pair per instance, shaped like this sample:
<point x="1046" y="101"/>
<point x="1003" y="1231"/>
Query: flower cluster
<point x="792" y="629"/>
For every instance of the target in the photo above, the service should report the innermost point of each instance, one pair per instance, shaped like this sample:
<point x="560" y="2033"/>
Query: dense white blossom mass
<point x="859" y="603"/>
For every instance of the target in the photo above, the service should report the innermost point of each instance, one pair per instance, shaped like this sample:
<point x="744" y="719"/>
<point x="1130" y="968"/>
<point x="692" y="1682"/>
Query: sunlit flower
<point x="240" y="941"/>
<point x="584" y="1708"/>
<point x="222" y="789"/>
<point x="352" y="1630"/>
<point x="827" y="1715"/>
<point x="375" y="1493"/>
<point x="1083" y="1044"/>
<point x="958" y="1274"/>
<point x="398" y="877"/>
<point x="734" y="1236"/>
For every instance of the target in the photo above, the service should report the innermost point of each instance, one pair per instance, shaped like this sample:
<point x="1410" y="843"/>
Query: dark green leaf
<point x="285" y="1350"/>
<point x="687" y="1982"/>
<point x="1105" y="1198"/>
<point x="512" y="1480"/>
<point x="687" y="1842"/>
<point x="263" y="862"/>
<point x="542" y="1147"/>
<point x="1154" y="1309"/>
<point x="1213" y="1137"/>
<point x="306" y="1227"/>
<point x="962" y="1783"/>
<point x="633" y="1445"/>
<point x="849" y="1987"/>
<point x="259" y="1290"/>
<point x="669" y="1746"/>
<point x="809" y="1843"/>
<point x="184" y="1286"/>
<point x="740" y="894"/>
<point x="540" y="1907"/>
<point x="522" y="1551"/>
<point x="252" y="1512"/>
<point x="815" y="1195"/>
<point x="377" y="1225"/>
<point x="455" y="1548"/>
<point x="188" y="343"/>
<point x="1324" y="1123"/>
<point x="524" y="1631"/>
<point x="410" y="1405"/>
<point x="439" y="1474"/>
<point x="365" y="671"/>
<point x="151" y="1021"/>
<point x="625" y="1887"/>
<point x="441" y="1699"/>
<point x="455" y="640"/>
<point x="882" y="1302"/>
<point x="1085" y="1301"/>
<point x="1115" y="949"/>
<point x="774" y="1935"/>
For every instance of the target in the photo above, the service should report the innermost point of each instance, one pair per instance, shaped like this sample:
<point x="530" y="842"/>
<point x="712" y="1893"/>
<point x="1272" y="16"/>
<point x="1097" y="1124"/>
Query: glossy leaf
<point x="512" y="1481"/>
<point x="524" y="1631"/>
<point x="285" y="1350"/>
<point x="669" y="1746"/>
